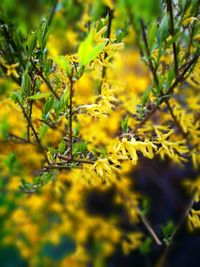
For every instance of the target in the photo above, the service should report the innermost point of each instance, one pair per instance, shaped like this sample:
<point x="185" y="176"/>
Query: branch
<point x="34" y="132"/>
<point x="110" y="18"/>
<point x="172" y="31"/>
<point x="153" y="71"/>
<point x="162" y="260"/>
<point x="143" y="219"/>
<point x="40" y="73"/>
<point x="69" y="159"/>
<point x="192" y="30"/>
<point x="175" y="119"/>
<point x="71" y="92"/>
<point x="179" y="78"/>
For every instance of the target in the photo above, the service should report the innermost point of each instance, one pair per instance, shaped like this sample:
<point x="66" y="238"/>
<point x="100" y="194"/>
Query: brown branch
<point x="110" y="18"/>
<point x="142" y="217"/>
<point x="179" y="78"/>
<point x="162" y="260"/>
<point x="175" y="119"/>
<point x="153" y="71"/>
<point x="172" y="31"/>
<point x="40" y="73"/>
<point x="192" y="30"/>
<point x="71" y="92"/>
<point x="69" y="159"/>
<point x="34" y="131"/>
<point x="20" y="139"/>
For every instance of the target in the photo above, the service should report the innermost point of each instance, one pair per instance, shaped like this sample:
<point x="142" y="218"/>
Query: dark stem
<point x="69" y="159"/>
<point x="34" y="131"/>
<point x="179" y="78"/>
<point x="110" y="18"/>
<point x="192" y="30"/>
<point x="162" y="260"/>
<point x="175" y="119"/>
<point x="142" y="217"/>
<point x="144" y="36"/>
<point x="172" y="31"/>
<point x="40" y="73"/>
<point x="71" y="92"/>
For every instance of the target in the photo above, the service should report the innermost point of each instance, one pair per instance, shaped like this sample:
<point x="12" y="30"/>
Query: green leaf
<point x="124" y="124"/>
<point x="79" y="148"/>
<point x="43" y="179"/>
<point x="61" y="146"/>
<point x="25" y="84"/>
<point x="62" y="103"/>
<point x="152" y="34"/>
<point x="42" y="34"/>
<point x="4" y="129"/>
<point x="168" y="231"/>
<point x="88" y="49"/>
<point x="16" y="97"/>
<point x="39" y="96"/>
<point x="31" y="42"/>
<point x="146" y="95"/>
<point x="163" y="31"/>
<point x="145" y="248"/>
<point x="63" y="63"/>
<point x="172" y="40"/>
<point x="43" y="131"/>
<point x="48" y="105"/>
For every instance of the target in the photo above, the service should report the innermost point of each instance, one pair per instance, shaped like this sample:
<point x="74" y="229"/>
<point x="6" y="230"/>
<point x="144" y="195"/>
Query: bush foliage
<point x="89" y="89"/>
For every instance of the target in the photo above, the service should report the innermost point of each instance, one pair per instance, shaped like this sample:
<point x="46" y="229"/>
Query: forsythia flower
<point x="11" y="69"/>
<point x="131" y="242"/>
<point x="130" y="148"/>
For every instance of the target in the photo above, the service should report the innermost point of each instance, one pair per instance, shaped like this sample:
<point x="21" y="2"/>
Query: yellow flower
<point x="130" y="148"/>
<point x="132" y="241"/>
<point x="11" y="69"/>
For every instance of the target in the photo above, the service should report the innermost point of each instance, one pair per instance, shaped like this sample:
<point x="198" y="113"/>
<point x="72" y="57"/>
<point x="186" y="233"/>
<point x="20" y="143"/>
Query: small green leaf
<point x="26" y="83"/>
<point x="79" y="148"/>
<point x="168" y="231"/>
<point x="124" y="124"/>
<point x="42" y="131"/>
<point x="48" y="105"/>
<point x="163" y="31"/>
<point x="152" y="34"/>
<point x="146" y="95"/>
<point x="88" y="49"/>
<point x="61" y="146"/>
<point x="39" y="96"/>
<point x="4" y="129"/>
<point x="31" y="42"/>
<point x="63" y="63"/>
<point x="145" y="248"/>
<point x="172" y="40"/>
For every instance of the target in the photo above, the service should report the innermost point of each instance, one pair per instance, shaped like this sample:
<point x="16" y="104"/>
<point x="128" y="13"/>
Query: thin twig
<point x="71" y="92"/>
<point x="179" y="78"/>
<point x="142" y="217"/>
<point x="20" y="139"/>
<point x="172" y="31"/>
<point x="40" y="73"/>
<point x="162" y="260"/>
<point x="175" y="119"/>
<point x="153" y="71"/>
<point x="69" y="159"/>
<point x="110" y="18"/>
<point x="34" y="131"/>
<point x="192" y="31"/>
